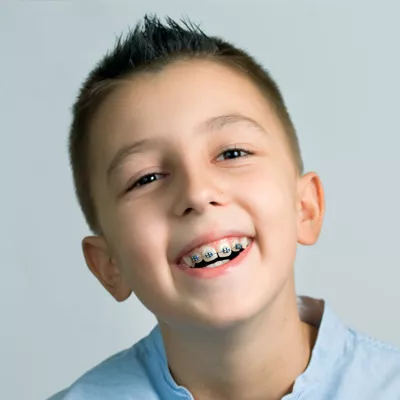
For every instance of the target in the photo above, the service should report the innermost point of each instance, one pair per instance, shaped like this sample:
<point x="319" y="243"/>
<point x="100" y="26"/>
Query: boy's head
<point x="181" y="145"/>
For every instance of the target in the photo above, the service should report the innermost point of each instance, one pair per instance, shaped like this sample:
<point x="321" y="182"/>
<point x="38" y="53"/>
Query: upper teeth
<point x="222" y="248"/>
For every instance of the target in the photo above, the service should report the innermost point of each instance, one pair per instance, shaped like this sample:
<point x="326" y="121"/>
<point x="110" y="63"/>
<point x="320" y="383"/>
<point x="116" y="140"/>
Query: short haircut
<point x="150" y="46"/>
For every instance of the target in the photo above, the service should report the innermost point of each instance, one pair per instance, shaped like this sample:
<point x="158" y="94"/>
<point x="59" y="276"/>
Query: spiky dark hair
<point x="152" y="41"/>
<point x="149" y="47"/>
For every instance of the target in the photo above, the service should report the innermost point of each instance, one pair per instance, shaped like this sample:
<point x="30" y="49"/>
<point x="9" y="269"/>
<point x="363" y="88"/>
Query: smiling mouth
<point x="218" y="261"/>
<point x="215" y="254"/>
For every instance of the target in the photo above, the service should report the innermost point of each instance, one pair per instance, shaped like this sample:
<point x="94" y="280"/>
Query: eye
<point x="145" y="180"/>
<point x="230" y="154"/>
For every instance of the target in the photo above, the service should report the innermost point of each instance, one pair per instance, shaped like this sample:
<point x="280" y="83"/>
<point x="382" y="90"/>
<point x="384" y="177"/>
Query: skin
<point x="243" y="328"/>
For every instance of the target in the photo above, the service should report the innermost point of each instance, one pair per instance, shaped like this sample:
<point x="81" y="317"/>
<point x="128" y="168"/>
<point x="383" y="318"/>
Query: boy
<point x="188" y="170"/>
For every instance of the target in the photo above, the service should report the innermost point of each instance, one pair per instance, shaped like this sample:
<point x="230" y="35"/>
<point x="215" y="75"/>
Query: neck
<point x="259" y="359"/>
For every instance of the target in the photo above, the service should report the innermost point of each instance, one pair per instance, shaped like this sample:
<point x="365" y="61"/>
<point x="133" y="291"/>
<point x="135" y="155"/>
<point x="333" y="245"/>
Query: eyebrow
<point x="125" y="152"/>
<point x="222" y="121"/>
<point x="212" y="124"/>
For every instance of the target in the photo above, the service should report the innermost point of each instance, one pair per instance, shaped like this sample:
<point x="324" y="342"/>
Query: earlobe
<point x="311" y="208"/>
<point x="104" y="268"/>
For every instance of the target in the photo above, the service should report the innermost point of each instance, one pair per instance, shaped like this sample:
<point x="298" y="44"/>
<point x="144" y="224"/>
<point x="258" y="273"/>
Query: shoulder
<point x="373" y="362"/>
<point x="378" y="350"/>
<point x="122" y="376"/>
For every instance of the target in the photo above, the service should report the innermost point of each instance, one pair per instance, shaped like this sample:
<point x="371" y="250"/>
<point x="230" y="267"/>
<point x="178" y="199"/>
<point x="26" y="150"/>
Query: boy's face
<point x="182" y="185"/>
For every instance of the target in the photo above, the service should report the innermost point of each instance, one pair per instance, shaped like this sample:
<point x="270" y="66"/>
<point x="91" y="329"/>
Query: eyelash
<point x="237" y="149"/>
<point x="137" y="184"/>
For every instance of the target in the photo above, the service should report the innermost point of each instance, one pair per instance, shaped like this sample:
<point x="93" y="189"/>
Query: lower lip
<point x="209" y="273"/>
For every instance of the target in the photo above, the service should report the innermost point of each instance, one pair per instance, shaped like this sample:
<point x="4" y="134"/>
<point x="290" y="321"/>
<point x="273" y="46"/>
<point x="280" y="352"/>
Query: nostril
<point x="187" y="211"/>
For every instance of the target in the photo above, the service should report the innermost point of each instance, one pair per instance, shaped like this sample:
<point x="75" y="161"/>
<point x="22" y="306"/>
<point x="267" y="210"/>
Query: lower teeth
<point x="217" y="264"/>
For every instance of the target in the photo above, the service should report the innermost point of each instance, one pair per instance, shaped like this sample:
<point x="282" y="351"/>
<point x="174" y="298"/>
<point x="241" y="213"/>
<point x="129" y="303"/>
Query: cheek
<point x="141" y="255"/>
<point x="271" y="202"/>
<point x="140" y="238"/>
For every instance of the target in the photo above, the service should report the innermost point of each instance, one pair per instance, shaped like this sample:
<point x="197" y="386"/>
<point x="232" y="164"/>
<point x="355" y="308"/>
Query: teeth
<point x="224" y="248"/>
<point x="195" y="258"/>
<point x="217" y="264"/>
<point x="244" y="242"/>
<point x="236" y="245"/>
<point x="209" y="253"/>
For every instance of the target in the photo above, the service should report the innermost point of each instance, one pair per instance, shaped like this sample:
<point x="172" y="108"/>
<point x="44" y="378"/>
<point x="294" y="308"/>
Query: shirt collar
<point x="328" y="349"/>
<point x="329" y="346"/>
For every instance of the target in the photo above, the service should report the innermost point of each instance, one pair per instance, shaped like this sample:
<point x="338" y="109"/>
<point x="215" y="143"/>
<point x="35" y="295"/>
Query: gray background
<point x="338" y="64"/>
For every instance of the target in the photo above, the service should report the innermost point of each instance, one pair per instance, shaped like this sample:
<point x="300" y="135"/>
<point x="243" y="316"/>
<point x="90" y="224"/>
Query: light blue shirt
<point x="344" y="365"/>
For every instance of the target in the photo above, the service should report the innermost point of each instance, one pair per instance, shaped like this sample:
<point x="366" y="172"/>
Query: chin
<point x="227" y="314"/>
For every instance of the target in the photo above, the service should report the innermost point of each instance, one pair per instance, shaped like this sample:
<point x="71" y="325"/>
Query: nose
<point x="196" y="191"/>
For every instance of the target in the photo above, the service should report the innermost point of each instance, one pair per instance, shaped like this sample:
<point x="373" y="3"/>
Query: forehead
<point x="172" y="102"/>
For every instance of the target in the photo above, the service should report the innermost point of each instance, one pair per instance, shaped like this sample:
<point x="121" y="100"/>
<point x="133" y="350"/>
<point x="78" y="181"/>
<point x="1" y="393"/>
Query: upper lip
<point x="207" y="238"/>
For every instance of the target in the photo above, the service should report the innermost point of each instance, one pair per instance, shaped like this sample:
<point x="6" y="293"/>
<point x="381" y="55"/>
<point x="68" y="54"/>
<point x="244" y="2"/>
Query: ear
<point x="311" y="208"/>
<point x="104" y="268"/>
